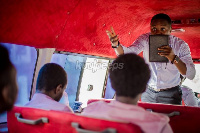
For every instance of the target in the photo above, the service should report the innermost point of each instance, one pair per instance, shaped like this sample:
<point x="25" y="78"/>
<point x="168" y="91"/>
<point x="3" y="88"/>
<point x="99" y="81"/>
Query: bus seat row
<point x="32" y="120"/>
<point x="183" y="119"/>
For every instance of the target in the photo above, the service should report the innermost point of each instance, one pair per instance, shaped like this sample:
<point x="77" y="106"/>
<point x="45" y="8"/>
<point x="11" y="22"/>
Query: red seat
<point x="186" y="121"/>
<point x="61" y="122"/>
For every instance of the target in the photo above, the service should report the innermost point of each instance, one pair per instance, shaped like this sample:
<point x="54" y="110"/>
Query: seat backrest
<point x="183" y="119"/>
<point x="62" y="122"/>
<point x="187" y="121"/>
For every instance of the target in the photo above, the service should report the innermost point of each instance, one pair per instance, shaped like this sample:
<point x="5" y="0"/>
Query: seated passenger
<point x="129" y="75"/>
<point x="188" y="96"/>
<point x="51" y="83"/>
<point x="8" y="83"/>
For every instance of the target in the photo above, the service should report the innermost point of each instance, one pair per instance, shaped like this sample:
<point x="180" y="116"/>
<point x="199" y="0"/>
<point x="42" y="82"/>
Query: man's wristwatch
<point x="116" y="46"/>
<point x="175" y="60"/>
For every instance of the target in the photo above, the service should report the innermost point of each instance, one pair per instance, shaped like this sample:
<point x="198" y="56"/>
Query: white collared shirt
<point x="164" y="75"/>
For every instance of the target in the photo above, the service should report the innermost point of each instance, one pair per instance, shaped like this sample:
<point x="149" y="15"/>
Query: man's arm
<point x="181" y="67"/>
<point x="169" y="54"/>
<point x="136" y="47"/>
<point x="115" y="41"/>
<point x="189" y="97"/>
<point x="184" y="65"/>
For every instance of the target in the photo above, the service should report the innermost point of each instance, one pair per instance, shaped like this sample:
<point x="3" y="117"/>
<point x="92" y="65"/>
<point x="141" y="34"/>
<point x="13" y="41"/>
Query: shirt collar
<point x="41" y="95"/>
<point x="125" y="106"/>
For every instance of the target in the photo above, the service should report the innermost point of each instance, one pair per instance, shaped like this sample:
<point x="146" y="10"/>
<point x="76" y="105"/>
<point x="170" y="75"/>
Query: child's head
<point x="129" y="75"/>
<point x="161" y="24"/>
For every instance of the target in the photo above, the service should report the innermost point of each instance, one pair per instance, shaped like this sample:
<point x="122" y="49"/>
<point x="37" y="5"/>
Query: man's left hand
<point x="167" y="52"/>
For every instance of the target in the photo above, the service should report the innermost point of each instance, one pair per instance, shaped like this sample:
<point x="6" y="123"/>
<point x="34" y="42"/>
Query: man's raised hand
<point x="112" y="36"/>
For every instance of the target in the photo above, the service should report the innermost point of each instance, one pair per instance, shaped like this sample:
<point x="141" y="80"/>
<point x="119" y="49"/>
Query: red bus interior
<point x="77" y="27"/>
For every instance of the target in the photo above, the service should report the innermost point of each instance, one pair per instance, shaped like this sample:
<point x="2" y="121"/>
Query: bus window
<point x="68" y="62"/>
<point x="24" y="59"/>
<point x="93" y="79"/>
<point x="86" y="76"/>
<point x="109" y="94"/>
<point x="195" y="83"/>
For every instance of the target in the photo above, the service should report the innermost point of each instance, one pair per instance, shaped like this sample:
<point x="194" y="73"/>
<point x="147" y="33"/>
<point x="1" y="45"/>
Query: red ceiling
<point x="79" y="26"/>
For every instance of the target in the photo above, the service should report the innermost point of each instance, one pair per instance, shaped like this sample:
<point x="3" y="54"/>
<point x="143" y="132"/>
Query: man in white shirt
<point x="163" y="86"/>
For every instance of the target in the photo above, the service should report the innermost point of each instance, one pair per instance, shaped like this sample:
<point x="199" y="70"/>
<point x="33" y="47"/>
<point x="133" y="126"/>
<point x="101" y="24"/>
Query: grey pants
<point x="170" y="96"/>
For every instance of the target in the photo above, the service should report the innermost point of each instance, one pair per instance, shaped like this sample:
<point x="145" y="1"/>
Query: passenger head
<point x="161" y="24"/>
<point x="8" y="83"/>
<point x="52" y="80"/>
<point x="129" y="75"/>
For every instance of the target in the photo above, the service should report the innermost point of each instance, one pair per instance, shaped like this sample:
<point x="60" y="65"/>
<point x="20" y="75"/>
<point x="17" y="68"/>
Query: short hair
<point x="162" y="16"/>
<point x="7" y="80"/>
<point x="50" y="76"/>
<point x="129" y="75"/>
<point x="5" y="67"/>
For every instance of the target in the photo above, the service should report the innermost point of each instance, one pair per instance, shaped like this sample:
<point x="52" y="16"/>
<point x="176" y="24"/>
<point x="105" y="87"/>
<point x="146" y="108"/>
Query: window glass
<point x="195" y="83"/>
<point x="110" y="92"/>
<point x="24" y="59"/>
<point x="93" y="79"/>
<point x="73" y="66"/>
<point x="85" y="75"/>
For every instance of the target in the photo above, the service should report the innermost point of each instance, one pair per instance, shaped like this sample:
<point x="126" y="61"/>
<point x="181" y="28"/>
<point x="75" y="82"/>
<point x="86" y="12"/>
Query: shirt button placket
<point x="158" y="73"/>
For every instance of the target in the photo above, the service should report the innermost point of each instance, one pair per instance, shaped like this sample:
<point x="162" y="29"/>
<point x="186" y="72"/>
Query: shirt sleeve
<point x="91" y="109"/>
<point x="188" y="96"/>
<point x="185" y="56"/>
<point x="167" y="129"/>
<point x="68" y="109"/>
<point x="137" y="46"/>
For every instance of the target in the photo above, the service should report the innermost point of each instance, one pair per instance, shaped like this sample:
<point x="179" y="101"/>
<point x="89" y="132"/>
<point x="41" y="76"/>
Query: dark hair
<point x="129" y="75"/>
<point x="50" y="76"/>
<point x="5" y="68"/>
<point x="162" y="16"/>
<point x="7" y="79"/>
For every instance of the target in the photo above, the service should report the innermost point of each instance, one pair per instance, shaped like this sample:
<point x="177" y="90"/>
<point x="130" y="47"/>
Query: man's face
<point x="60" y="93"/>
<point x="160" y="27"/>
